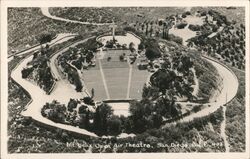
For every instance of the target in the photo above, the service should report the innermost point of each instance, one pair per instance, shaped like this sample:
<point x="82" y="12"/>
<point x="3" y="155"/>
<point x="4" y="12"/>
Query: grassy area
<point x="116" y="74"/>
<point x="117" y="82"/>
<point x="93" y="79"/>
<point x="139" y="78"/>
<point x="235" y="117"/>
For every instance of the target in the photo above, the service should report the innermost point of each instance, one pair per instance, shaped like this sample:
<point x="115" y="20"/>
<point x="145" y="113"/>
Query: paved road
<point x="228" y="92"/>
<point x="64" y="91"/>
<point x="59" y="39"/>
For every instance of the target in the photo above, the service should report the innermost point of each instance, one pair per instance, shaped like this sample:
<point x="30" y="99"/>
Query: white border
<point x="113" y="3"/>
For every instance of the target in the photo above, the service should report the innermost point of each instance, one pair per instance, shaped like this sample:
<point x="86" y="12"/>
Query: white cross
<point x="113" y="26"/>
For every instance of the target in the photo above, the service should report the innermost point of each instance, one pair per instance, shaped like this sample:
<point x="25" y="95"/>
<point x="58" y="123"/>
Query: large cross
<point x="113" y="26"/>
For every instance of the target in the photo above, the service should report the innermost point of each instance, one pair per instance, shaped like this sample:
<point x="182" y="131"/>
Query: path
<point x="196" y="85"/>
<point x="129" y="78"/>
<point x="229" y="80"/>
<point x="45" y="12"/>
<point x="59" y="39"/>
<point x="222" y="130"/>
<point x="103" y="79"/>
<point x="63" y="90"/>
<point x="62" y="93"/>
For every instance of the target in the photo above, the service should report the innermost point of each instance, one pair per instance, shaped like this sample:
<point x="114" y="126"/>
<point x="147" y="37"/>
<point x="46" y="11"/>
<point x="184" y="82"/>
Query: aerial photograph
<point x="126" y="79"/>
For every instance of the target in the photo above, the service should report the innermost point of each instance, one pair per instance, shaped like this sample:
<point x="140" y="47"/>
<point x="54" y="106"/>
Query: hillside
<point x="119" y="14"/>
<point x="25" y="25"/>
<point x="208" y="78"/>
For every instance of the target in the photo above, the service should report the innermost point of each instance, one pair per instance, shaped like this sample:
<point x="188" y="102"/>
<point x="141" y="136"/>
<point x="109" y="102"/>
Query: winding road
<point x="228" y="92"/>
<point x="45" y="12"/>
<point x="63" y="91"/>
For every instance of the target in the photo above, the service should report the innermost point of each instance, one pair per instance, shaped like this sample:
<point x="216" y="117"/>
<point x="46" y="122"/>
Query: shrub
<point x="129" y="29"/>
<point x="114" y="125"/>
<point x="78" y="85"/>
<point x="141" y="46"/>
<point x="152" y="53"/>
<point x="26" y="72"/>
<point x="188" y="13"/>
<point x="176" y="39"/>
<point x="77" y="64"/>
<point x="204" y="13"/>
<point x="181" y="25"/>
<point x="45" y="37"/>
<point x="184" y="15"/>
<point x="196" y="108"/>
<point x="88" y="100"/>
<point x="194" y="27"/>
<point x="102" y="114"/>
<point x="72" y="104"/>
<point x="215" y="28"/>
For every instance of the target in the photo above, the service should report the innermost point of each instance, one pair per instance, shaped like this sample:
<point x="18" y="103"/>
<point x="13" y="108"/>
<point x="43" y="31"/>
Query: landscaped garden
<point x="111" y="67"/>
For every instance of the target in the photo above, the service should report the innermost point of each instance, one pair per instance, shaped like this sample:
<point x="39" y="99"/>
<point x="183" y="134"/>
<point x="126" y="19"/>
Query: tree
<point x="109" y="44"/>
<point x="82" y="109"/>
<point x="160" y="23"/>
<point x="114" y="125"/>
<point x="141" y="46"/>
<point x="57" y="112"/>
<point x="194" y="27"/>
<point x="128" y="28"/>
<point x="156" y="120"/>
<point x="88" y="100"/>
<point x="101" y="116"/>
<point x="45" y="37"/>
<point x="152" y="53"/>
<point x="142" y="27"/>
<point x="151" y="31"/>
<point x="89" y="56"/>
<point x="150" y="92"/>
<point x="147" y="29"/>
<point x="26" y="72"/>
<point x="72" y="104"/>
<point x="84" y="120"/>
<point x="35" y="55"/>
<point x="167" y="107"/>
<point x="177" y="39"/>
<point x="92" y="93"/>
<point x="166" y="64"/>
<point x="77" y="64"/>
<point x="132" y="47"/>
<point x="181" y="25"/>
<point x="75" y="79"/>
<point x="140" y="112"/>
<point x="163" y="79"/>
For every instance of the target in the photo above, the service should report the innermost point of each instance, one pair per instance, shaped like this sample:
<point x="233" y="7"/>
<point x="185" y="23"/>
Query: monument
<point x="113" y="26"/>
